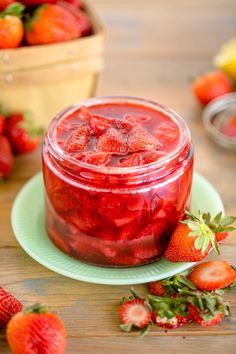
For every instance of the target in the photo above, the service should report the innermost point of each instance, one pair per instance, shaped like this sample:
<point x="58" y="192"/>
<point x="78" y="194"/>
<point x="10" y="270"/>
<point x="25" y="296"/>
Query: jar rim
<point x="185" y="136"/>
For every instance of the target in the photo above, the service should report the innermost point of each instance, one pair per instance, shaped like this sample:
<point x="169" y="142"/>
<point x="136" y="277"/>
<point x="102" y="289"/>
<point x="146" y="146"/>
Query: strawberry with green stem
<point x="194" y="237"/>
<point x="22" y="132"/>
<point x="11" y="26"/>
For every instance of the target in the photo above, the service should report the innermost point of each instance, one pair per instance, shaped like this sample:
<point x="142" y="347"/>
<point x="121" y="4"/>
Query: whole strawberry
<point x="5" y="3"/>
<point x="11" y="26"/>
<point x="36" y="331"/>
<point x="2" y="123"/>
<point x="9" y="306"/>
<point x="22" y="133"/>
<point x="51" y="24"/>
<point x="194" y="237"/>
<point x="38" y="2"/>
<point x="6" y="157"/>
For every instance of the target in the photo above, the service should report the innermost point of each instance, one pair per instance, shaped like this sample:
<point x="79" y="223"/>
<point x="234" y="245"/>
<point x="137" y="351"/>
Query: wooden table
<point x="153" y="48"/>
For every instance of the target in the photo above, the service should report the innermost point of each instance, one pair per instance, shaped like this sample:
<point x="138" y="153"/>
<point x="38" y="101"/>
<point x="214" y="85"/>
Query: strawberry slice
<point x="135" y="313"/>
<point x="100" y="124"/>
<point x="113" y="142"/>
<point x="84" y="114"/>
<point x="124" y="126"/>
<point x="140" y="140"/>
<point x="97" y="158"/>
<point x="151" y="156"/>
<point x="133" y="160"/>
<point x="167" y="131"/>
<point x="78" y="140"/>
<point x="137" y="118"/>
<point x="212" y="275"/>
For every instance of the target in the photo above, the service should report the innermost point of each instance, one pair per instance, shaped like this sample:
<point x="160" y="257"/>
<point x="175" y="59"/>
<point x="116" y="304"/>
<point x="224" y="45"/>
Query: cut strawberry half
<point x="97" y="158"/>
<point x="113" y="142"/>
<point x="137" y="118"/>
<point x="205" y="319"/>
<point x="212" y="275"/>
<point x="100" y="124"/>
<point x="140" y="140"/>
<point x="135" y="313"/>
<point x="78" y="140"/>
<point x="133" y="160"/>
<point x="170" y="323"/>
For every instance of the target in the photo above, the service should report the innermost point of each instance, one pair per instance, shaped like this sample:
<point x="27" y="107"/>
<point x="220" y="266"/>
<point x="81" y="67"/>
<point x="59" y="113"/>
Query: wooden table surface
<point x="153" y="48"/>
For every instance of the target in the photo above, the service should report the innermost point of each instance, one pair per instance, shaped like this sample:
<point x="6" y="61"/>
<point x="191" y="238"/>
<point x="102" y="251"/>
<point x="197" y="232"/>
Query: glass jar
<point x="115" y="216"/>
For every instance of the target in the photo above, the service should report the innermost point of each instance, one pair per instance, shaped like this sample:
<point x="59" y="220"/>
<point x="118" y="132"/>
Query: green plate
<point x="29" y="229"/>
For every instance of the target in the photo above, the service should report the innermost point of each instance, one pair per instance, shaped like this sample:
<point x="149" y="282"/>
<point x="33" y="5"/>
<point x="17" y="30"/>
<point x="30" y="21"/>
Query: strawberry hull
<point x="116" y="216"/>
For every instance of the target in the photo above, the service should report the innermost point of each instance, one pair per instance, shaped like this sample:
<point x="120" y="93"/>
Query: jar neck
<point x="79" y="173"/>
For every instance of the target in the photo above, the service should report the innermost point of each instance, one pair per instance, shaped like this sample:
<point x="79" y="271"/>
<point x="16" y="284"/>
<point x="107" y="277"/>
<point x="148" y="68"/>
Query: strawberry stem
<point x="36" y="308"/>
<point x="15" y="9"/>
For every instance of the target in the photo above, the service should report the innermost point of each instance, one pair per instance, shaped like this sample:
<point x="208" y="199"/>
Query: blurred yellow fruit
<point x="226" y="58"/>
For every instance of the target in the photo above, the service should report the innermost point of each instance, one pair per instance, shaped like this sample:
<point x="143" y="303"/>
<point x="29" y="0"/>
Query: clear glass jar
<point x="115" y="216"/>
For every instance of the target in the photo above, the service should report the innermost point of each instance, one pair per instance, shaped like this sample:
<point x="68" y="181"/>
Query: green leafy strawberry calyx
<point x="29" y="125"/>
<point x="204" y="229"/>
<point x="36" y="308"/>
<point x="15" y="9"/>
<point x="169" y="307"/>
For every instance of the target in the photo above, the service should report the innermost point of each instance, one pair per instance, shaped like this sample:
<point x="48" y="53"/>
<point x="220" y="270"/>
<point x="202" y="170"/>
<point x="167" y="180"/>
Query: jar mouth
<point x="185" y="137"/>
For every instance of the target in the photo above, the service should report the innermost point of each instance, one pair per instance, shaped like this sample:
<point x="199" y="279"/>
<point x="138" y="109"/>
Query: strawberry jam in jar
<point x="117" y="175"/>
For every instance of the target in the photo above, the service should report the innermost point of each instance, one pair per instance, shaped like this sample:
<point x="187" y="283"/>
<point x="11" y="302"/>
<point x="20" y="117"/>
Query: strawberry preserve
<point x="117" y="174"/>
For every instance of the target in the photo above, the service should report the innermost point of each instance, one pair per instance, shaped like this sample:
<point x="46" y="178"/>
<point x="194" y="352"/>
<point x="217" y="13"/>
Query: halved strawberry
<point x="170" y="323"/>
<point x="112" y="141"/>
<point x="157" y="288"/>
<point x="134" y="313"/>
<point x="78" y="140"/>
<point x="169" y="312"/>
<point x="140" y="140"/>
<point x="137" y="118"/>
<point x="97" y="158"/>
<point x="212" y="275"/>
<point x="205" y="319"/>
<point x="133" y="160"/>
<point x="100" y="124"/>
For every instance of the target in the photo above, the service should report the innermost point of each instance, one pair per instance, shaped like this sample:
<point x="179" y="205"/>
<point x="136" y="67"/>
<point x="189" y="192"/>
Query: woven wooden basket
<point x="45" y="79"/>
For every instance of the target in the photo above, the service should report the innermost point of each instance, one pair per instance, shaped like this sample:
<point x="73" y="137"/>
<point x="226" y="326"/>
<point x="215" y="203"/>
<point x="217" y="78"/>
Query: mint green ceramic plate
<point x="28" y="226"/>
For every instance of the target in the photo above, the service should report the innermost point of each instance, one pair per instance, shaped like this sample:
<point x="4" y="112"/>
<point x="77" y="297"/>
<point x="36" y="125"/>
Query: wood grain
<point x="153" y="47"/>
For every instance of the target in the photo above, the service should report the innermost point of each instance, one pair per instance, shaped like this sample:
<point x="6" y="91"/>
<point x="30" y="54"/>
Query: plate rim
<point x="103" y="280"/>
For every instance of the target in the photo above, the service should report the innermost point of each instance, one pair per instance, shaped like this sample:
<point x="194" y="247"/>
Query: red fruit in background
<point x="11" y="26"/>
<point x="51" y="24"/>
<point x="112" y="141"/>
<point x="212" y="275"/>
<point x="38" y="2"/>
<point x="36" y="331"/>
<point x="2" y="124"/>
<point x="75" y="3"/>
<point x="22" y="133"/>
<point x="5" y="3"/>
<point x="6" y="157"/>
<point x="9" y="306"/>
<point x="210" y="86"/>
<point x="83" y="21"/>
<point x="228" y="127"/>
